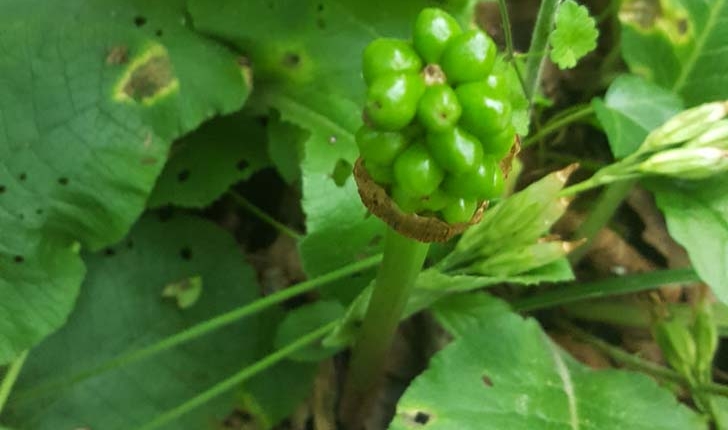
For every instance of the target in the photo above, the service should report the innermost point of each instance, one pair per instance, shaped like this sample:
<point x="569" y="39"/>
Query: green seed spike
<point x="687" y="163"/>
<point x="684" y="126"/>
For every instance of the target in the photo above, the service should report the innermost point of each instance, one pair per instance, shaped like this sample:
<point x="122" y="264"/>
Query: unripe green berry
<point x="434" y="28"/>
<point x="486" y="111"/>
<point x="384" y="56"/>
<point x="459" y="210"/>
<point x="435" y="201"/>
<point x="439" y="108"/>
<point x="483" y="183"/>
<point x="498" y="145"/>
<point x="381" y="174"/>
<point x="392" y="101"/>
<point x="380" y="147"/>
<point x="468" y="57"/>
<point x="455" y="150"/>
<point x="416" y="172"/>
<point x="407" y="202"/>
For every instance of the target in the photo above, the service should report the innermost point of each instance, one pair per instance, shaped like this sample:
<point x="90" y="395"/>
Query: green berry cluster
<point x="437" y="120"/>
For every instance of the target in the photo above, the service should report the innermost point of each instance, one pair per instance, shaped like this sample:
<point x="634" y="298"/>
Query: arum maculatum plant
<point x="435" y="147"/>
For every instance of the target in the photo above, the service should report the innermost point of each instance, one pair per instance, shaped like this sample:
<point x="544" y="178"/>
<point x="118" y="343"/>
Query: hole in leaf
<point x="18" y="259"/>
<point x="2" y="189"/>
<point x="183" y="175"/>
<point x="242" y="165"/>
<point x="21" y="217"/>
<point x="130" y="244"/>
<point x="23" y="176"/>
<point x="342" y="171"/>
<point x="185" y="253"/>
<point x="422" y="418"/>
<point x="39" y="211"/>
<point x="320" y="7"/>
<point x="109" y="252"/>
<point x="291" y="59"/>
<point x="63" y="181"/>
<point x="158" y="33"/>
<point x="487" y="381"/>
<point x="139" y="20"/>
<point x="320" y="23"/>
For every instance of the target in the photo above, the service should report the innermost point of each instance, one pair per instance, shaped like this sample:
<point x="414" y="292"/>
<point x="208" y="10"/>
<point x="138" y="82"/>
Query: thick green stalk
<point x="538" y="50"/>
<point x="403" y="260"/>
<point x="10" y="377"/>
<point x="235" y="380"/>
<point x="199" y="329"/>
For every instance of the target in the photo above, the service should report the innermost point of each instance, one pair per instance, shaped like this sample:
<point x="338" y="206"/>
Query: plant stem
<point x="255" y="210"/>
<point x="605" y="207"/>
<point x="557" y="123"/>
<point x="633" y="361"/>
<point x="604" y="288"/>
<point x="10" y="377"/>
<point x="231" y="382"/>
<point x="200" y="329"/>
<point x="506" y="23"/>
<point x="539" y="43"/>
<point x="403" y="260"/>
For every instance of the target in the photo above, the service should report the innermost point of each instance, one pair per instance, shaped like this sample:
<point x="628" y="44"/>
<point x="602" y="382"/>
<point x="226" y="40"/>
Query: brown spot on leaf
<point x="117" y="55"/>
<point x="149" y="78"/>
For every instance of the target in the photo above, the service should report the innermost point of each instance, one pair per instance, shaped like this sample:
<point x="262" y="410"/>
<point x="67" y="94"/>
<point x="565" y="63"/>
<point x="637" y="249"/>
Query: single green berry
<point x="459" y="210"/>
<point x="380" y="147"/>
<point x="392" y="101"/>
<point x="435" y="201"/>
<point x="381" y="174"/>
<point x="498" y="145"/>
<point x="407" y="202"/>
<point x="439" y="108"/>
<point x="455" y="150"/>
<point x="433" y="30"/>
<point x="468" y="57"/>
<point x="416" y="172"/>
<point x="483" y="183"/>
<point x="384" y="56"/>
<point x="486" y="111"/>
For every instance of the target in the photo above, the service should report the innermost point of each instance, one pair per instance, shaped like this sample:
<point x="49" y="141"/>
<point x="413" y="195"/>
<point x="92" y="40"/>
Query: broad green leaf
<point x="503" y="372"/>
<point x="205" y="163"/>
<point x="92" y="93"/>
<point x="697" y="217"/>
<point x="306" y="59"/>
<point x="303" y="320"/>
<point x="120" y="309"/>
<point x="678" y="44"/>
<point x="720" y="411"/>
<point x="286" y="148"/>
<point x="265" y="399"/>
<point x="632" y="107"/>
<point x="575" y="34"/>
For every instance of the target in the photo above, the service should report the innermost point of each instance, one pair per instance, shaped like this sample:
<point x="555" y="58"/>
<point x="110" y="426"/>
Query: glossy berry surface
<point x="439" y="108"/>
<point x="456" y="150"/>
<point x="380" y="147"/>
<point x="392" y="100"/>
<point x="459" y="210"/>
<point x="434" y="28"/>
<point x="468" y="57"/>
<point x="485" y="110"/>
<point x="417" y="172"/>
<point x="484" y="182"/>
<point x="385" y="56"/>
